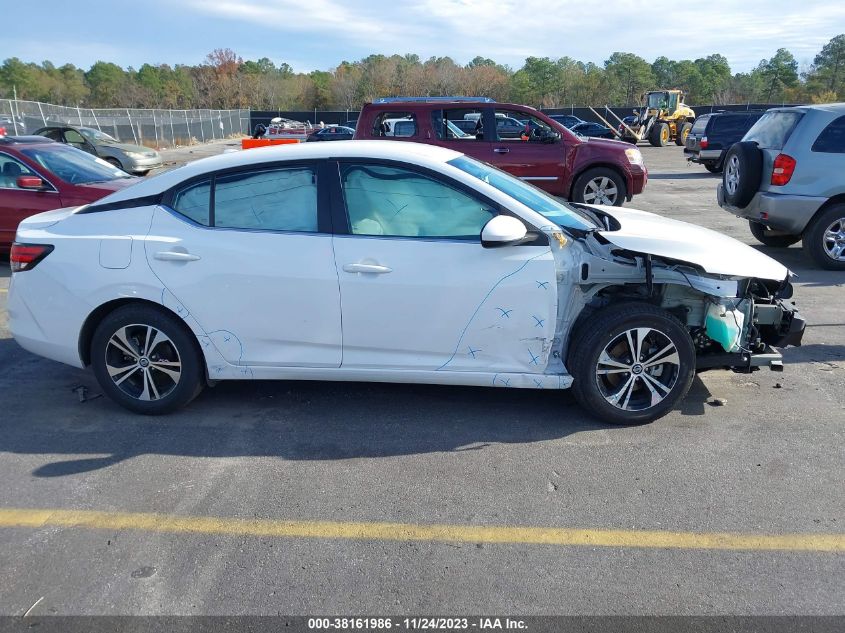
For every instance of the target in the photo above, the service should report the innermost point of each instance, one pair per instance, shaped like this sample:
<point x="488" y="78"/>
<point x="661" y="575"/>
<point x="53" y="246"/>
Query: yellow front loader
<point x="663" y="117"/>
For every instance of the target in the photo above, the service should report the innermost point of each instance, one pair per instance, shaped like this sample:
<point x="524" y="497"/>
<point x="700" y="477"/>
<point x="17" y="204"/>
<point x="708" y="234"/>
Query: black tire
<point x="607" y="330"/>
<point x="595" y="183"/>
<point x="176" y="349"/>
<point x="659" y="135"/>
<point x="682" y="133"/>
<point x="821" y="248"/>
<point x="713" y="168"/>
<point x="742" y="173"/>
<point x="767" y="236"/>
<point x="113" y="161"/>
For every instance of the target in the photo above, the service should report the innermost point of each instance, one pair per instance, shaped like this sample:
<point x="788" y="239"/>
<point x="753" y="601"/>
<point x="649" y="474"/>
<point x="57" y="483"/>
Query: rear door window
<point x="272" y="200"/>
<point x="458" y="124"/>
<point x="773" y="129"/>
<point x="396" y="124"/>
<point x="730" y="126"/>
<point x="832" y="138"/>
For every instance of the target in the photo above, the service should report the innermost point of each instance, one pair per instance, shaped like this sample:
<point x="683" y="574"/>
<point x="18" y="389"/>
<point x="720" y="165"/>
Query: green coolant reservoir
<point x="724" y="326"/>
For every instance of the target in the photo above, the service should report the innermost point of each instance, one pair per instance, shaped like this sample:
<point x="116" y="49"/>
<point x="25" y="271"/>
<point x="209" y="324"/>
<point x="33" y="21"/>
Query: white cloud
<point x="510" y="30"/>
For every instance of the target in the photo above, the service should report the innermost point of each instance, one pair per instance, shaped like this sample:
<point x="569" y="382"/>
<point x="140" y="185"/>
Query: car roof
<point x="25" y="140"/>
<point x="418" y="153"/>
<point x="833" y="108"/>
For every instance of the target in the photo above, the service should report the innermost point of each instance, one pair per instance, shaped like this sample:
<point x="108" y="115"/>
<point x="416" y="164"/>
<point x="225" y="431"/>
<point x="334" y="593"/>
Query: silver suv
<point x="787" y="178"/>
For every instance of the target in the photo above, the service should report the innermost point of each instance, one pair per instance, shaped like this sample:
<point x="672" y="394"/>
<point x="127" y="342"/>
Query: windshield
<point x="73" y="165"/>
<point x="95" y="136"/>
<point x="561" y="214"/>
<point x="773" y="129"/>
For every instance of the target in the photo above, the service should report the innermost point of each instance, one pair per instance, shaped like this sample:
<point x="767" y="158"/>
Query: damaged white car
<point x="392" y="262"/>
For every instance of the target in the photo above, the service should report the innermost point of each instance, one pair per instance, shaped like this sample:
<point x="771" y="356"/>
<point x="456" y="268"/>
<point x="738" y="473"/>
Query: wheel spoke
<point x="605" y="359"/>
<point x="126" y="375"/>
<point x="656" y="398"/>
<point x="116" y="371"/>
<point x="149" y="378"/>
<point x="171" y="369"/>
<point x="122" y="343"/>
<point x="649" y="378"/>
<point x="158" y="338"/>
<point x="626" y="389"/>
<point x="657" y="359"/>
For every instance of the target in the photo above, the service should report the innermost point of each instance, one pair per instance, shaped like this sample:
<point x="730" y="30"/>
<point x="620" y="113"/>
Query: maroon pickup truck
<point x="517" y="139"/>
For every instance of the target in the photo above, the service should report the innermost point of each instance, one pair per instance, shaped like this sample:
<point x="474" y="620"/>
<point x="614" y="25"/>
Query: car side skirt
<point x="428" y="377"/>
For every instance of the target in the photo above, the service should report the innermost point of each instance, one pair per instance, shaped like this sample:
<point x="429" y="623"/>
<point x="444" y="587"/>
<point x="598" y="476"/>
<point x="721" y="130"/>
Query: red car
<point x="517" y="139"/>
<point x="37" y="174"/>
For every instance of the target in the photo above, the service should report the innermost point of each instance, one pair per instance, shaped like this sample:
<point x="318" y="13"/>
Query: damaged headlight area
<point x="734" y="323"/>
<point x="739" y="332"/>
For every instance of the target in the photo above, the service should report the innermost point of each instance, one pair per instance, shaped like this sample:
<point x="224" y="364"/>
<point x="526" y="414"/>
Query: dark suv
<point x="712" y="135"/>
<point x="541" y="151"/>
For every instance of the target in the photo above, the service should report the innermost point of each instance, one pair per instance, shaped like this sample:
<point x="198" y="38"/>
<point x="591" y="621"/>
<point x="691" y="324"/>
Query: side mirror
<point x="29" y="182"/>
<point x="503" y="230"/>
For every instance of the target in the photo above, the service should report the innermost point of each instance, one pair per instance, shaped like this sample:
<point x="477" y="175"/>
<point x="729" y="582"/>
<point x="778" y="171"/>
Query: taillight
<point x="703" y="143"/>
<point x="26" y="256"/>
<point x="783" y="169"/>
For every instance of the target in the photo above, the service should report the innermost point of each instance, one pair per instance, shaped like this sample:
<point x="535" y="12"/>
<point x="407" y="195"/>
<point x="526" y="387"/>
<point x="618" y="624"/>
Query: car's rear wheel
<point x="743" y="171"/>
<point x="713" y="168"/>
<point x="824" y="238"/>
<point x="146" y="360"/>
<point x="659" y="136"/>
<point x="767" y="236"/>
<point x="599" y="186"/>
<point x="683" y="133"/>
<point x="633" y="364"/>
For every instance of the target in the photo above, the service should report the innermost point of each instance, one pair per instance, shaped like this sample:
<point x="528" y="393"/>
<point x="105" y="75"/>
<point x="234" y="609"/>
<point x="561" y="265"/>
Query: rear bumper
<point x="703" y="156"/>
<point x="778" y="211"/>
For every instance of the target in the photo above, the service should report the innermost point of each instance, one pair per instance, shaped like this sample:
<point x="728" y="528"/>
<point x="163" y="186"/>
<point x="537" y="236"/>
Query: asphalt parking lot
<point x="317" y="498"/>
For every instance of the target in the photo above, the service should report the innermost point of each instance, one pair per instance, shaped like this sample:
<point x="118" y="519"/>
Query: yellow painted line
<point x="4" y="290"/>
<point x="33" y="518"/>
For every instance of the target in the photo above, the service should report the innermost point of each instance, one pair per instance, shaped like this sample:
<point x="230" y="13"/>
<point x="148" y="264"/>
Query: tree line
<point x="225" y="80"/>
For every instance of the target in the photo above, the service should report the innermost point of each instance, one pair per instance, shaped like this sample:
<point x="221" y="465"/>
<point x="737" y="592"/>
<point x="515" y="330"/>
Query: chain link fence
<point x="153" y="128"/>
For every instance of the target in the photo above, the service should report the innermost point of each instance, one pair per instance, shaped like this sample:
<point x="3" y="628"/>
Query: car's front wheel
<point x="632" y="364"/>
<point x="146" y="360"/>
<point x="599" y="186"/>
<point x="113" y="161"/>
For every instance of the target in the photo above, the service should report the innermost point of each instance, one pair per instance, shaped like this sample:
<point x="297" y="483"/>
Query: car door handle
<point x="501" y="150"/>
<point x="367" y="268"/>
<point x="174" y="256"/>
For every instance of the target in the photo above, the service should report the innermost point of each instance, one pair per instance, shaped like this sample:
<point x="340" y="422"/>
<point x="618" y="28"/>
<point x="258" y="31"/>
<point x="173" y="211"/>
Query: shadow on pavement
<point x="290" y="420"/>
<point x="690" y="176"/>
<point x="806" y="272"/>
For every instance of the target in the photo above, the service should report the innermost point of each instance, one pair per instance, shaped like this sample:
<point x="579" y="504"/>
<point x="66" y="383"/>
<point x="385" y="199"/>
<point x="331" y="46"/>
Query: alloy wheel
<point x="834" y="240"/>
<point x="637" y="369"/>
<point x="143" y="362"/>
<point x="732" y="175"/>
<point x="601" y="190"/>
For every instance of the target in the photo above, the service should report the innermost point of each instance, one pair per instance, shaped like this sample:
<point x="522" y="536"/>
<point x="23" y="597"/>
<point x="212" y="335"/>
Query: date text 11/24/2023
<point x="415" y="624"/>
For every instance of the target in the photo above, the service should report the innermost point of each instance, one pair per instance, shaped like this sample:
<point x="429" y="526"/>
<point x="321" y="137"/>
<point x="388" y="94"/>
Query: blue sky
<point x="317" y="34"/>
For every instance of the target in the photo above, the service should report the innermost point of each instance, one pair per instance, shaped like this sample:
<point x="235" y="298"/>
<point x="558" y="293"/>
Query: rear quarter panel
<point x="817" y="174"/>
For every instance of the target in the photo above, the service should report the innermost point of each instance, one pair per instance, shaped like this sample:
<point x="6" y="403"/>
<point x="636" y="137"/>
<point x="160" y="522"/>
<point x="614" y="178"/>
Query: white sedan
<point x="393" y="262"/>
